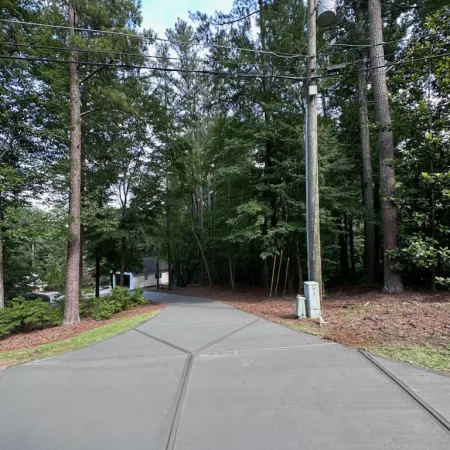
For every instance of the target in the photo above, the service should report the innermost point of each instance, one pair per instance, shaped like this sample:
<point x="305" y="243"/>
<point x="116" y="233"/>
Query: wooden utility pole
<point x="71" y="312"/>
<point x="370" y="250"/>
<point x="392" y="282"/>
<point x="312" y="163"/>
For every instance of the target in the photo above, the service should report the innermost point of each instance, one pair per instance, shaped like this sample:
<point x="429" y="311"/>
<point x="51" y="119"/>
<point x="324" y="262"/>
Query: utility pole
<point x="312" y="163"/>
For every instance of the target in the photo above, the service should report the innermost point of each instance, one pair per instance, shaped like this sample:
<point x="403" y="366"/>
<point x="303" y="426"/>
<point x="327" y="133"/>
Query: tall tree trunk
<point x="71" y="311"/>
<point x="97" y="276"/>
<point x="2" y="284"/>
<point x="232" y="280"/>
<point x="267" y="98"/>
<point x="433" y="234"/>
<point x="178" y="266"/>
<point x="392" y="282"/>
<point x="123" y="262"/>
<point x="352" y="246"/>
<point x="157" y="274"/>
<point x="169" y="247"/>
<point x="343" y="248"/>
<point x="201" y="227"/>
<point x="81" y="262"/>
<point x="366" y="157"/>
<point x="82" y="189"/>
<point x="299" y="267"/>
<point x="202" y="253"/>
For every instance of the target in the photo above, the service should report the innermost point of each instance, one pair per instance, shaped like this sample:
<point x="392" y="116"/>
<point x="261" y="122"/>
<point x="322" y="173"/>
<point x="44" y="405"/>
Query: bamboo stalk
<point x="279" y="271"/>
<point x="273" y="274"/>
<point x="286" y="277"/>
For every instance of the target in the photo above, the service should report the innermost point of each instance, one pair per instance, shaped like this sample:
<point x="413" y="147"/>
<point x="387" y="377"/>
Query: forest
<point x="117" y="143"/>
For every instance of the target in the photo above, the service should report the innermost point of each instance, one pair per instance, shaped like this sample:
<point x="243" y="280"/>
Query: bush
<point x="102" y="308"/>
<point x="22" y="314"/>
<point x="121" y="298"/>
<point x="137" y="298"/>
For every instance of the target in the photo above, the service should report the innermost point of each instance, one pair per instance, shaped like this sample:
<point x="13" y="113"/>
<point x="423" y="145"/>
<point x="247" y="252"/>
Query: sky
<point x="162" y="14"/>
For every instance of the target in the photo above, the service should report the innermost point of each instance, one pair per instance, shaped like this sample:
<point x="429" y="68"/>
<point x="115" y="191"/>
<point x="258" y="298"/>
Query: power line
<point x="231" y="22"/>
<point x="117" y="33"/>
<point x="388" y="65"/>
<point x="213" y="72"/>
<point x="163" y="69"/>
<point x="137" y="55"/>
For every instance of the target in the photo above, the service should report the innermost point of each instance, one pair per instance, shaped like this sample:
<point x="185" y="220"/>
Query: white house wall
<point x="142" y="280"/>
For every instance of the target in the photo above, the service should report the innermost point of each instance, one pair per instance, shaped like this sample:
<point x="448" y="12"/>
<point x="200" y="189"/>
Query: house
<point x="146" y="277"/>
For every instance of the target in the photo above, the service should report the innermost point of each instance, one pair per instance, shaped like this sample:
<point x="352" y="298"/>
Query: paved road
<point x="206" y="376"/>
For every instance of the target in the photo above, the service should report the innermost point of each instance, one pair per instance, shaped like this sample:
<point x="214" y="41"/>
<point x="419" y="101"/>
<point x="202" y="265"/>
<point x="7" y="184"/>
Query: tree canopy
<point x="192" y="146"/>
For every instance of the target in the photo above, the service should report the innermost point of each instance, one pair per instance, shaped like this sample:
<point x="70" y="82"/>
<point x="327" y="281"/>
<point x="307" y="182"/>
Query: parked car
<point x="37" y="296"/>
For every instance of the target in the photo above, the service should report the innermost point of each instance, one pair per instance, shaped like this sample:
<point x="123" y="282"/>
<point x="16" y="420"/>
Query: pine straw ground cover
<point x="23" y="347"/>
<point x="412" y="327"/>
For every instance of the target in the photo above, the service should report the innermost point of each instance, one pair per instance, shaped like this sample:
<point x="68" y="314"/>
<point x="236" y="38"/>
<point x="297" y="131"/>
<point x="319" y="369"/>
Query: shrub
<point x="121" y="298"/>
<point x="137" y="298"/>
<point x="102" y="308"/>
<point x="22" y="314"/>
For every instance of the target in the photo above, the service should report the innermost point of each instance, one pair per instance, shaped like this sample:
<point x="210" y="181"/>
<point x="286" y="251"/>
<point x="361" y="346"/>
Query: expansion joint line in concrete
<point x="179" y="402"/>
<point x="442" y="421"/>
<point x="181" y="349"/>
<point x="224" y="337"/>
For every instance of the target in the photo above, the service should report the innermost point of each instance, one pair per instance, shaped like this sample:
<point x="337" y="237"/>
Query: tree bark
<point x="81" y="262"/>
<point x="433" y="235"/>
<point x="366" y="157"/>
<point x="267" y="99"/>
<point x="82" y="189"/>
<point x="232" y="281"/>
<point x="299" y="267"/>
<point x="123" y="263"/>
<point x="352" y="246"/>
<point x="392" y="282"/>
<point x="2" y="284"/>
<point x="169" y="249"/>
<point x="71" y="311"/>
<point x="157" y="274"/>
<point x="201" y="225"/>
<point x="202" y="253"/>
<point x="97" y="276"/>
<point x="343" y="249"/>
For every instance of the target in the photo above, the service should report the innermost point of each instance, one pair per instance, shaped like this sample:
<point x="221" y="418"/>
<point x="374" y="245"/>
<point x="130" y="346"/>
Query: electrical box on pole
<point x="326" y="12"/>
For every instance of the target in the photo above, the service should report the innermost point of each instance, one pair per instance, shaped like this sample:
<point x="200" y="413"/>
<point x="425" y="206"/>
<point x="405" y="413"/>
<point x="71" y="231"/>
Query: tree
<point x="71" y="312"/>
<point x="392" y="282"/>
<point x="121" y="17"/>
<point x="370" y="250"/>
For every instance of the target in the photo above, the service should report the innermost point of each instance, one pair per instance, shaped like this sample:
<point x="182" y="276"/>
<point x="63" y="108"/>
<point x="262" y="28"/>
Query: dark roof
<point x="149" y="264"/>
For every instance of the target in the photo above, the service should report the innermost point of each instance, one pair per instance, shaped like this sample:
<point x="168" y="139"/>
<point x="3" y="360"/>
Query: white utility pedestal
<point x="312" y="294"/>
<point x="300" y="307"/>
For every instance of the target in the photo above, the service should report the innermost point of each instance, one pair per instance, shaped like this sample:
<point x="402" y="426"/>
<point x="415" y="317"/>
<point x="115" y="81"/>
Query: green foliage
<point x="137" y="298"/>
<point x="104" y="307"/>
<point x="21" y="314"/>
<point x="178" y="164"/>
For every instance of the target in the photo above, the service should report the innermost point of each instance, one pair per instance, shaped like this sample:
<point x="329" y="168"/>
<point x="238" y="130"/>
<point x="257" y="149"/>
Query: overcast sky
<point x="162" y="14"/>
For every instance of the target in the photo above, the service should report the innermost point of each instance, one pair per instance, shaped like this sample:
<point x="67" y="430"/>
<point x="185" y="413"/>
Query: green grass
<point x="437" y="359"/>
<point x="82" y="340"/>
<point x="430" y="358"/>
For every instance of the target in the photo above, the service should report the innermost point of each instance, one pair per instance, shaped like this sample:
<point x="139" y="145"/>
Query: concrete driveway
<point x="205" y="376"/>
